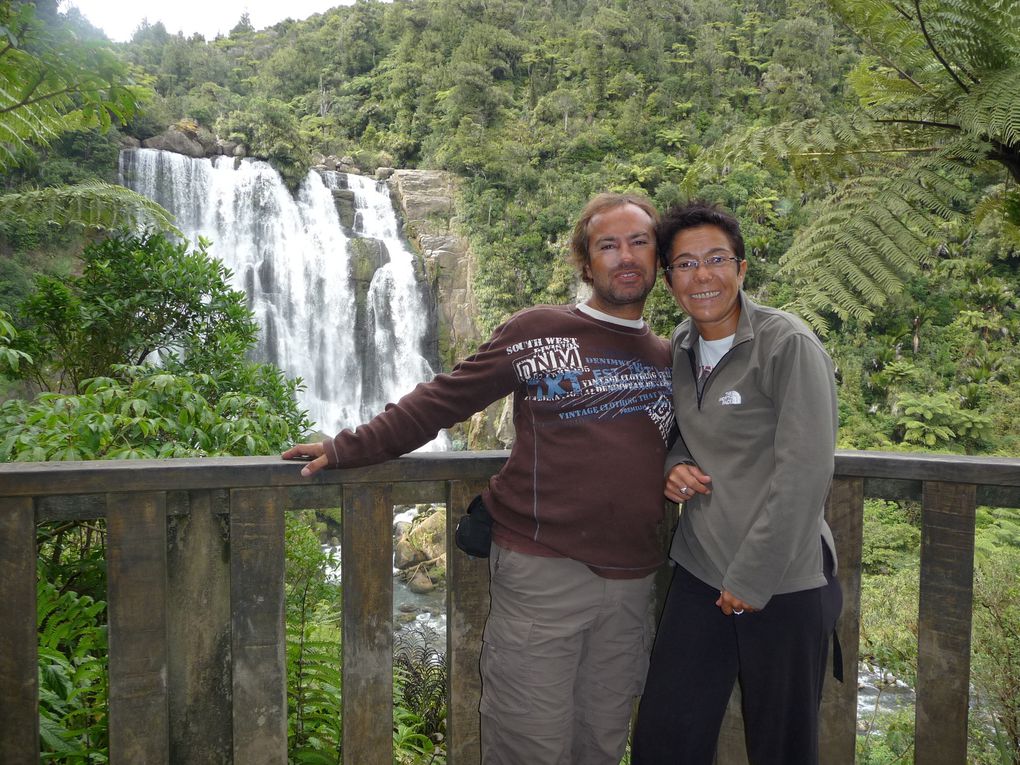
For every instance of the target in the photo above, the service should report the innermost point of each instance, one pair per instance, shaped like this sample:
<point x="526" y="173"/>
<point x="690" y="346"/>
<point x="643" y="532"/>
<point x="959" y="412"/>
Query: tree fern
<point x="92" y="204"/>
<point x="939" y="95"/>
<point x="869" y="235"/>
<point x="992" y="107"/>
<point x="52" y="83"/>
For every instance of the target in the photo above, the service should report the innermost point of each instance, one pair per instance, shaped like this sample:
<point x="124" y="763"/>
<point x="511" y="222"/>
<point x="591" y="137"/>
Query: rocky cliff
<point x="426" y="200"/>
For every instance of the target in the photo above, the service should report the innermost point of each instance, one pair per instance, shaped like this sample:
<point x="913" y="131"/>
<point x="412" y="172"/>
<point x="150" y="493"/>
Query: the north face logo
<point x="730" y="398"/>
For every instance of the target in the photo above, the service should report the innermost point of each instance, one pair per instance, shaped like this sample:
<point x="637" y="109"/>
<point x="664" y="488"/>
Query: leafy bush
<point x="152" y="412"/>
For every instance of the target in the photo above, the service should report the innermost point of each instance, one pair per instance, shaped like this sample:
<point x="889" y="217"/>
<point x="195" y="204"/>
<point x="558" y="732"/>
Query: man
<point x="753" y="596"/>
<point x="577" y="509"/>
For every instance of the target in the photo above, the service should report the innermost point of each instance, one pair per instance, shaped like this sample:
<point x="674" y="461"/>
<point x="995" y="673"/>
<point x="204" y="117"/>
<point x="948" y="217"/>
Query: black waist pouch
<point x="474" y="530"/>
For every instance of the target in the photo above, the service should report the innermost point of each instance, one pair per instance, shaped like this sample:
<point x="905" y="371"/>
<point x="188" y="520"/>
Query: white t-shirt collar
<point x="710" y="351"/>
<point x="595" y="313"/>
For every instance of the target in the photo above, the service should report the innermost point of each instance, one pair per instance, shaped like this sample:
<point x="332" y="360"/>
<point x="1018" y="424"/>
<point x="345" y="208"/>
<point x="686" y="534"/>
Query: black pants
<point x="779" y="655"/>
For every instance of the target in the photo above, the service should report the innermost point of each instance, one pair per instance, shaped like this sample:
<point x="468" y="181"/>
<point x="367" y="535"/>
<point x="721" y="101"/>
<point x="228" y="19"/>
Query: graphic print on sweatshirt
<point x="554" y="369"/>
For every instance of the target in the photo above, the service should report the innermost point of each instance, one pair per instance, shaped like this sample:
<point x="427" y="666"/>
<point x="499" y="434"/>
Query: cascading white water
<point x="293" y="260"/>
<point x="395" y="305"/>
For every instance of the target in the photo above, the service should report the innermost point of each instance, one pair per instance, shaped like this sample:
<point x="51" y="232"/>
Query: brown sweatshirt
<point x="592" y="412"/>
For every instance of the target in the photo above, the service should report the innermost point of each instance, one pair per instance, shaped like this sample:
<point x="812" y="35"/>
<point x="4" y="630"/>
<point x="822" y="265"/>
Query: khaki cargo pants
<point x="564" y="654"/>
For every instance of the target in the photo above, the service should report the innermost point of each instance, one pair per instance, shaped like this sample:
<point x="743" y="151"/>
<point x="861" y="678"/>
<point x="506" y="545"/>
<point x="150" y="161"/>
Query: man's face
<point x="710" y="296"/>
<point x="621" y="244"/>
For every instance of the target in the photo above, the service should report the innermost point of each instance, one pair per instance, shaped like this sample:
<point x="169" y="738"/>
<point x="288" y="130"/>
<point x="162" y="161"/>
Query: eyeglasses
<point x="712" y="261"/>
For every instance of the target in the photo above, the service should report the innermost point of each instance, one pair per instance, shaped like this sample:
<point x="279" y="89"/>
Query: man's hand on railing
<point x="315" y="452"/>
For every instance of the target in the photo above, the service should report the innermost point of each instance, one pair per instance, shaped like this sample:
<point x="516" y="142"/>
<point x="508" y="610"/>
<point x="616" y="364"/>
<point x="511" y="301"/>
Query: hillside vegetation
<point x="790" y="113"/>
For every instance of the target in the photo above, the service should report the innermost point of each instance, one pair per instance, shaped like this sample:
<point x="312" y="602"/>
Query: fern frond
<point x="52" y="82"/>
<point x="37" y="123"/>
<point x="878" y="86"/>
<point x="889" y="33"/>
<point x="92" y="204"/>
<point x="808" y="313"/>
<point x="833" y="137"/>
<point x="992" y="109"/>
<point x="976" y="34"/>
<point x="873" y="233"/>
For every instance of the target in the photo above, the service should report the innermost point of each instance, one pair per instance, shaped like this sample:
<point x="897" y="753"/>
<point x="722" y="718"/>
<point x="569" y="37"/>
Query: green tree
<point x="269" y="128"/>
<point x="136" y="296"/>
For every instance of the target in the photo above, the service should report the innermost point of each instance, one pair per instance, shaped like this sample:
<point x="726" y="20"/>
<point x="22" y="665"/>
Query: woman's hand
<point x="684" y="481"/>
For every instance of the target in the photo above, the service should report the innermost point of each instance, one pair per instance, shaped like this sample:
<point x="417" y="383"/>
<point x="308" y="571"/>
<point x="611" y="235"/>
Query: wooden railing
<point x="195" y="598"/>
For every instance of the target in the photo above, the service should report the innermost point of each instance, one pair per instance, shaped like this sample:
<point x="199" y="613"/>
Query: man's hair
<point x="579" y="254"/>
<point x="695" y="214"/>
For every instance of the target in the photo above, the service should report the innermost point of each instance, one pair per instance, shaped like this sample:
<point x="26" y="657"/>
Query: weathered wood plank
<point x="944" y="623"/>
<point x="71" y="506"/>
<point x="198" y="608"/>
<point x="367" y="560"/>
<point x="892" y="488"/>
<point x="844" y="512"/>
<point x="19" y="673"/>
<point x="467" y="607"/>
<point x="920" y="466"/>
<point x="136" y="592"/>
<point x="39" y="479"/>
<point x="331" y="495"/>
<point x="258" y="640"/>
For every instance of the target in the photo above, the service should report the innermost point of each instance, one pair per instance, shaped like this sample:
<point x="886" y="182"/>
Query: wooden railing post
<point x="19" y="670"/>
<point x="367" y="566"/>
<point x="257" y="626"/>
<point x="844" y="512"/>
<point x="198" y="626"/>
<point x="467" y="607"/>
<point x="944" y="623"/>
<point x="136" y="591"/>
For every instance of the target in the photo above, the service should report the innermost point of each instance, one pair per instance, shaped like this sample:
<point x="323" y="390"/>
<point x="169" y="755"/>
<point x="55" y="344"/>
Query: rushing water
<point x="292" y="257"/>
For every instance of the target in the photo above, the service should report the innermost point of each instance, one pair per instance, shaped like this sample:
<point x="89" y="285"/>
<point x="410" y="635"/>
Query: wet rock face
<point x="420" y="552"/>
<point x="426" y="201"/>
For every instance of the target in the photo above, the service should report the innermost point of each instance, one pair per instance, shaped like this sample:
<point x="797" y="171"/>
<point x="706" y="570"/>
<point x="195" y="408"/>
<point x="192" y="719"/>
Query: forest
<point x="870" y="148"/>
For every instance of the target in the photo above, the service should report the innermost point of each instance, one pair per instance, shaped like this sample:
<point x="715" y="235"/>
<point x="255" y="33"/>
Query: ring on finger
<point x="738" y="611"/>
<point x="684" y="490"/>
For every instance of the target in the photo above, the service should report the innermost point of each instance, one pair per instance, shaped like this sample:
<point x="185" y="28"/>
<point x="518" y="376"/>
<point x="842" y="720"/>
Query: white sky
<point x="120" y="18"/>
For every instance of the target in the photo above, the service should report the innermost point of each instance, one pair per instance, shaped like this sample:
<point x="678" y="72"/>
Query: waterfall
<point x="342" y="309"/>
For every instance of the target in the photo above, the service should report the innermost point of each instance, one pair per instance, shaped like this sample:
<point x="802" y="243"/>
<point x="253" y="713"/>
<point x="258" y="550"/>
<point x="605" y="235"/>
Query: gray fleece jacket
<point x="764" y="429"/>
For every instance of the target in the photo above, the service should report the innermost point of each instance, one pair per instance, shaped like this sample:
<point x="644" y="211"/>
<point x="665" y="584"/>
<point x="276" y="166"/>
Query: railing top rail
<point x="61" y="478"/>
<point x="921" y="466"/>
